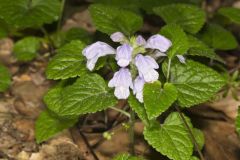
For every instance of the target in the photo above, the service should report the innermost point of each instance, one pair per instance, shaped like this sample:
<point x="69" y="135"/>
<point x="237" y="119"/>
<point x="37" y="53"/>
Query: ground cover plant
<point x="153" y="77"/>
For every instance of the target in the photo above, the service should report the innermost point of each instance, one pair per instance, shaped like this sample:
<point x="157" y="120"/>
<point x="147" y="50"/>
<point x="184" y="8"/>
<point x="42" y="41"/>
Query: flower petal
<point x="140" y="41"/>
<point x="138" y="88"/>
<point x="117" y="37"/>
<point x="124" y="55"/>
<point x="98" y="49"/>
<point x="181" y="58"/>
<point x="91" y="63"/>
<point x="122" y="92"/>
<point x="146" y="66"/>
<point x="121" y="78"/>
<point x="158" y="42"/>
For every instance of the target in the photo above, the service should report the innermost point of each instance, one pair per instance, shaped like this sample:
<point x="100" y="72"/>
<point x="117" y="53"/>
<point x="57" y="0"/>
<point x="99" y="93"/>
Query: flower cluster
<point x="130" y="53"/>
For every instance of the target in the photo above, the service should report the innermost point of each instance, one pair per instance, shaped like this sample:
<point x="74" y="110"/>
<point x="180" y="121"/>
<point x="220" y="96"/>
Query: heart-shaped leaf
<point x="48" y="125"/>
<point x="29" y="13"/>
<point x="88" y="94"/>
<point x="110" y="19"/>
<point x="171" y="138"/>
<point x="68" y="63"/>
<point x="191" y="18"/>
<point x="158" y="100"/>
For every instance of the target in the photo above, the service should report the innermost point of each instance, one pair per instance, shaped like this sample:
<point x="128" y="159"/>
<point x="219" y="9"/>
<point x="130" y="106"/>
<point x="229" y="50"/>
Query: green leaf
<point x="219" y="38"/>
<point x="199" y="48"/>
<point x="148" y="5"/>
<point x="5" y="78"/>
<point x="110" y="19"/>
<point x="26" y="48"/>
<point x="170" y="138"/>
<point x="191" y="18"/>
<point x="53" y="98"/>
<point x="78" y="34"/>
<point x="138" y="108"/>
<point x="237" y="123"/>
<point x="68" y="63"/>
<point x="48" y="125"/>
<point x="179" y="39"/>
<point x="231" y="13"/>
<point x="199" y="136"/>
<point x="88" y="94"/>
<point x="195" y="82"/>
<point x="157" y="100"/>
<point x="194" y="158"/>
<point x="29" y="13"/>
<point x="133" y="5"/>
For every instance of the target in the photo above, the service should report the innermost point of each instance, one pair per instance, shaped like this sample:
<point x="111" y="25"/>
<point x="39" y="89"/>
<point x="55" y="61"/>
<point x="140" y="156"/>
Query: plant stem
<point x="121" y="111"/>
<point x="191" y="133"/>
<point x="131" y="132"/>
<point x="61" y="16"/>
<point x="51" y="43"/>
<point x="168" y="69"/>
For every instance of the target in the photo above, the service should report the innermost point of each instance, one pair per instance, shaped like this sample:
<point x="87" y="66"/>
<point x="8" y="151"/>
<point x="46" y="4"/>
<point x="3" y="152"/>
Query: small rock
<point x="23" y="156"/>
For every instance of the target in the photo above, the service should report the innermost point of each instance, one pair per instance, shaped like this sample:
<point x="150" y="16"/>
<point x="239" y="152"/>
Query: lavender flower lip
<point x="122" y="81"/>
<point x="138" y="88"/>
<point x="124" y="55"/>
<point x="146" y="66"/>
<point x="158" y="42"/>
<point x="140" y="41"/>
<point x="117" y="37"/>
<point x="96" y="50"/>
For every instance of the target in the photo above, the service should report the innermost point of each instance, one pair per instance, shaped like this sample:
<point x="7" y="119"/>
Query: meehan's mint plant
<point x="154" y="76"/>
<point x="157" y="77"/>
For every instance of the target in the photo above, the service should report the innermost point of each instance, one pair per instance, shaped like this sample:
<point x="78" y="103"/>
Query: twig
<point x="121" y="111"/>
<point x="119" y="116"/>
<point x="191" y="133"/>
<point x="83" y="145"/>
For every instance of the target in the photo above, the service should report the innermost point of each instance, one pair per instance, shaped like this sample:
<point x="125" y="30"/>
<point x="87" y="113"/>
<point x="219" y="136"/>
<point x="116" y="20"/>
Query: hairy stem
<point x="61" y="16"/>
<point x="51" y="43"/>
<point x="131" y="132"/>
<point x="168" y="69"/>
<point x="190" y="133"/>
<point x="121" y="111"/>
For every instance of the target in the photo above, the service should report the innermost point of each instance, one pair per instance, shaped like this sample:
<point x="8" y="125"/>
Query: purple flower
<point x="140" y="41"/>
<point x="146" y="66"/>
<point x="121" y="80"/>
<point x="158" y="42"/>
<point x="96" y="50"/>
<point x="117" y="37"/>
<point x="138" y="88"/>
<point x="181" y="58"/>
<point x="124" y="55"/>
